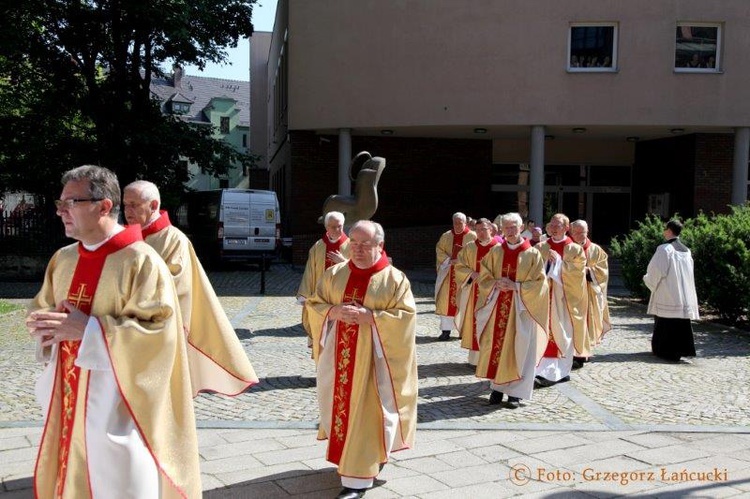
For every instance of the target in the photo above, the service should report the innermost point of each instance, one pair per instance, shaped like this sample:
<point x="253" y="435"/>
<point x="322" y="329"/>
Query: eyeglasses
<point x="70" y="203"/>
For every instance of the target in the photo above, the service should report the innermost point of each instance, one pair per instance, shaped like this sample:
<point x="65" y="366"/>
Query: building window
<point x="224" y="125"/>
<point x="697" y="48"/>
<point x="592" y="47"/>
<point x="180" y="108"/>
<point x="244" y="140"/>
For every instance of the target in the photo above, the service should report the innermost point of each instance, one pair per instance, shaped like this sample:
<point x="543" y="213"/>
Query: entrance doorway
<point x="599" y="194"/>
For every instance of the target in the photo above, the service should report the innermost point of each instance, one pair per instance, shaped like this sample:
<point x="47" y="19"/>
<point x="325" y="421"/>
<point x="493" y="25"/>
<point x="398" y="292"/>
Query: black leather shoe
<point x="564" y="379"/>
<point x="578" y="362"/>
<point x="542" y="382"/>
<point x="513" y="402"/>
<point x="496" y="397"/>
<point x="445" y="336"/>
<point x="347" y="493"/>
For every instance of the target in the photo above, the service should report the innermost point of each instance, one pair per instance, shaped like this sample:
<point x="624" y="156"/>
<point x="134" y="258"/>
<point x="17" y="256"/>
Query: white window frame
<point x="615" y="35"/>
<point x="719" y="36"/>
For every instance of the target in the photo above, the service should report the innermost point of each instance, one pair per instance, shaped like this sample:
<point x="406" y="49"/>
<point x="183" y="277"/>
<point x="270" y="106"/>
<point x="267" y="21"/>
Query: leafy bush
<point x="721" y="250"/>
<point x="634" y="252"/>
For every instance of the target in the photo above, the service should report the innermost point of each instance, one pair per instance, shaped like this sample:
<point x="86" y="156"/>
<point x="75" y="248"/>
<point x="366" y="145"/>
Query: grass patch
<point x="6" y="307"/>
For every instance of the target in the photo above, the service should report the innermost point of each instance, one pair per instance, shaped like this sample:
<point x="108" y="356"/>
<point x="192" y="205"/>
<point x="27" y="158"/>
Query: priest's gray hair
<point x="459" y="215"/>
<point x="378" y="234"/>
<point x="511" y="217"/>
<point x="103" y="184"/>
<point x="147" y="190"/>
<point x="580" y="223"/>
<point x="336" y="215"/>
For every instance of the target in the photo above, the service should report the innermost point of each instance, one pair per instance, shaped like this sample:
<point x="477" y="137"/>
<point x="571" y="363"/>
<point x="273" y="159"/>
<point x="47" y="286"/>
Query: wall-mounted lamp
<point x="480" y="130"/>
<point x="386" y="132"/>
<point x="633" y="138"/>
<point x="677" y="130"/>
<point x="579" y="129"/>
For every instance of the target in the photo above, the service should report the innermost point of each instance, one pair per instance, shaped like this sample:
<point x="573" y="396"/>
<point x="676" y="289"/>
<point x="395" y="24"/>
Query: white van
<point x="234" y="224"/>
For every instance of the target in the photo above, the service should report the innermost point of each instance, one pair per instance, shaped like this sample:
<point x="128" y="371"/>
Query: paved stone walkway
<point x="624" y="410"/>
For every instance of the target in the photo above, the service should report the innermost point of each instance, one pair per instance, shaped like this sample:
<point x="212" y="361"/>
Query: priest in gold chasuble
<point x="363" y="320"/>
<point x="446" y="287"/>
<point x="467" y="277"/>
<point x="568" y="334"/>
<point x="327" y="251"/>
<point x="216" y="358"/>
<point x="512" y="320"/>
<point x="597" y="279"/>
<point x="115" y="390"/>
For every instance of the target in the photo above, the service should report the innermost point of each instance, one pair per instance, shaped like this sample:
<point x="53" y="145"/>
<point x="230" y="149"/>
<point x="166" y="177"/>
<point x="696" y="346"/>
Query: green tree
<point x="74" y="88"/>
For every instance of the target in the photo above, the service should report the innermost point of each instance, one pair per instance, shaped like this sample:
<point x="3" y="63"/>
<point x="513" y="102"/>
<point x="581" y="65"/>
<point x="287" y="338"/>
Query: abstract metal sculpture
<point x="363" y="204"/>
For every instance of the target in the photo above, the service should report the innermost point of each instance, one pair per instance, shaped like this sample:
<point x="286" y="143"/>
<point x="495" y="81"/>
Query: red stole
<point x="333" y="246"/>
<point x="159" y="224"/>
<point x="346" y="357"/>
<point x="504" y="304"/>
<point x="481" y="253"/>
<point x="552" y="350"/>
<point x="458" y="240"/>
<point x="586" y="247"/>
<point x="81" y="295"/>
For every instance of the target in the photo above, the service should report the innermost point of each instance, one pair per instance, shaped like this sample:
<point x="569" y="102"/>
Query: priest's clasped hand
<point x="505" y="284"/>
<point x="352" y="313"/>
<point x="66" y="323"/>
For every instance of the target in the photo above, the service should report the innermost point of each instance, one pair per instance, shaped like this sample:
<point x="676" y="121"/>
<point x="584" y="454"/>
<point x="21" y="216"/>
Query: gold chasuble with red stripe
<point x="80" y="294"/>
<point x="218" y="361"/>
<point x="346" y="355"/>
<point x="448" y="247"/>
<point x="127" y="288"/>
<point x="469" y="260"/>
<point x="558" y="247"/>
<point x="366" y="375"/>
<point x="504" y="339"/>
<point x="574" y="299"/>
<point x="317" y="263"/>
<point x="503" y="306"/>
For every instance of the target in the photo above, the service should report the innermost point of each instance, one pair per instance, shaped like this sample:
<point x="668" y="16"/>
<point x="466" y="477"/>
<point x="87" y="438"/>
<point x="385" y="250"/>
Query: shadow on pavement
<point x="444" y="369"/>
<point x="477" y="388"/>
<point x="311" y="483"/>
<point x="454" y="409"/>
<point x="282" y="383"/>
<point x="281" y="332"/>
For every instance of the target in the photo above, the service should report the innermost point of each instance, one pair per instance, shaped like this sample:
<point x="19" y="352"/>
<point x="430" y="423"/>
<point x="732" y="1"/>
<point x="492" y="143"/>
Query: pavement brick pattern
<point x="623" y="386"/>
<point x="625" y="425"/>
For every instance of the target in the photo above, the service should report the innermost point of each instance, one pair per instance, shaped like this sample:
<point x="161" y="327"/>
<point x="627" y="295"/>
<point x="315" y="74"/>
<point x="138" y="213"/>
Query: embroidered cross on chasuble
<point x="81" y="295"/>
<point x="552" y="350"/>
<point x="504" y="304"/>
<point x="346" y="357"/>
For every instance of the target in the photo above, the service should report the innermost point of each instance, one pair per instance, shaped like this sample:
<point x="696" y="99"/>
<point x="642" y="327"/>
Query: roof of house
<point x="199" y="90"/>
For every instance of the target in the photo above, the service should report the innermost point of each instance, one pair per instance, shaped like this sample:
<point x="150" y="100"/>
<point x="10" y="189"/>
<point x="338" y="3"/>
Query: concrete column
<point x="739" y="172"/>
<point x="345" y="159"/>
<point x="536" y="176"/>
